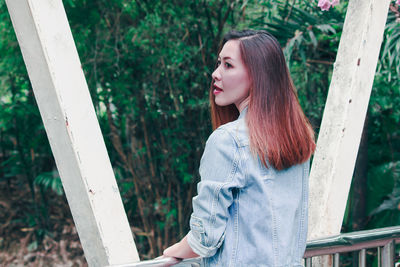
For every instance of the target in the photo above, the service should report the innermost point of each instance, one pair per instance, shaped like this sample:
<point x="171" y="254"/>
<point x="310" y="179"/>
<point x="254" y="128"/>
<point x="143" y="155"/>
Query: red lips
<point x="217" y="90"/>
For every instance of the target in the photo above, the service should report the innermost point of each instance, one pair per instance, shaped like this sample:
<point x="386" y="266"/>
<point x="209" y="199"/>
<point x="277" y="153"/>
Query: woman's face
<point x="231" y="80"/>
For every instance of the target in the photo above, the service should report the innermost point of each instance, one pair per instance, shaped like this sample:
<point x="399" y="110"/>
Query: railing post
<point x="308" y="262"/>
<point x="336" y="260"/>
<point x="362" y="257"/>
<point x="388" y="254"/>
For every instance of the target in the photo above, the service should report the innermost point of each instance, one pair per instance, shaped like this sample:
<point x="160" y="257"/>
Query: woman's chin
<point x="221" y="103"/>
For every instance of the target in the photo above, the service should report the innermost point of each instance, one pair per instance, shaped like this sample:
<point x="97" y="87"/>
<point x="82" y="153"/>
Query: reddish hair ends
<point x="279" y="132"/>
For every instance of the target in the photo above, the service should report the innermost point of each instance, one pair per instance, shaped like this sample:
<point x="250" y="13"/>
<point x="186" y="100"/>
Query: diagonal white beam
<point x="68" y="115"/>
<point x="344" y="115"/>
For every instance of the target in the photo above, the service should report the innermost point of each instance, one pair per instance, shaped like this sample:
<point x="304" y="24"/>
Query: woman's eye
<point x="218" y="62"/>
<point x="228" y="65"/>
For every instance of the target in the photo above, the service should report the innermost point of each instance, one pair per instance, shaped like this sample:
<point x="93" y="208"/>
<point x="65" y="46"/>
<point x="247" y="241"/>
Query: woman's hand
<point x="180" y="250"/>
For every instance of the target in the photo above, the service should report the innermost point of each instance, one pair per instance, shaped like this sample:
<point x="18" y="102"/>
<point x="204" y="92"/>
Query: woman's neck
<point x="243" y="104"/>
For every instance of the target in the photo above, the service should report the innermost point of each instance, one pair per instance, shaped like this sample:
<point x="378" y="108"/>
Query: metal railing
<point x="164" y="262"/>
<point x="383" y="240"/>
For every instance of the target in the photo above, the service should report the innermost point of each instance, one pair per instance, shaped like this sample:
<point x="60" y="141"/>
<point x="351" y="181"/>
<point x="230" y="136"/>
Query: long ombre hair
<point x="280" y="134"/>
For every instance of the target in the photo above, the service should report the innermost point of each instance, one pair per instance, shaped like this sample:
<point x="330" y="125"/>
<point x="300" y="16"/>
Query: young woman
<point x="251" y="207"/>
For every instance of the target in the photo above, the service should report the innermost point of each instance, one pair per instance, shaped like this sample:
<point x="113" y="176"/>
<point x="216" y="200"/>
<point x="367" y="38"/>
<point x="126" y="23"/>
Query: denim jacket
<point x="246" y="214"/>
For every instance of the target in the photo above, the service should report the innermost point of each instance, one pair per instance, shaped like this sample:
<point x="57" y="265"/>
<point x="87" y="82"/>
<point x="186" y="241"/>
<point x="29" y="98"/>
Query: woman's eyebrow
<point x="225" y="58"/>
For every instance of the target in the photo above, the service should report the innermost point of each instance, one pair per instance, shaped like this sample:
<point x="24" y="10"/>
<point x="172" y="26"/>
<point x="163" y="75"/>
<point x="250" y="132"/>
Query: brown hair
<point x="280" y="134"/>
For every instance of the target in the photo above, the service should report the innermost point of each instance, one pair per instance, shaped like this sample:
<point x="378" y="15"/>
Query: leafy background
<point x="148" y="66"/>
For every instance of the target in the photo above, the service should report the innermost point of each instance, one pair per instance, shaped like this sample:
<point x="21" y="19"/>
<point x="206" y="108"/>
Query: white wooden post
<point x="344" y="115"/>
<point x="68" y="114"/>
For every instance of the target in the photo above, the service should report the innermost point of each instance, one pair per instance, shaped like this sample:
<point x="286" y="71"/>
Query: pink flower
<point x="336" y="2"/>
<point x="398" y="2"/>
<point x="326" y="4"/>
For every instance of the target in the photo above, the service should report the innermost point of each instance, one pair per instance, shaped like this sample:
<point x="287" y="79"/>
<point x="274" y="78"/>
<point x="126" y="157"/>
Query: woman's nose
<point x="216" y="75"/>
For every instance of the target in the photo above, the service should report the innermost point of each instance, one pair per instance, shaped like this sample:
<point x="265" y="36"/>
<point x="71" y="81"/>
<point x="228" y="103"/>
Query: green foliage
<point x="391" y="173"/>
<point x="384" y="145"/>
<point x="384" y="133"/>
<point x="390" y="54"/>
<point x="48" y="180"/>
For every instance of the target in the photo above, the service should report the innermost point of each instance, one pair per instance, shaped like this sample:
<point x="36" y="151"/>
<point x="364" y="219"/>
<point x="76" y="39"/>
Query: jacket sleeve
<point x="218" y="167"/>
